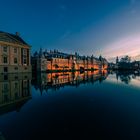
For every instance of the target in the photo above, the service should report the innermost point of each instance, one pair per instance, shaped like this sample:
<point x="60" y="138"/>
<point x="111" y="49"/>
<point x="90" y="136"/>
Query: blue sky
<point x="85" y="26"/>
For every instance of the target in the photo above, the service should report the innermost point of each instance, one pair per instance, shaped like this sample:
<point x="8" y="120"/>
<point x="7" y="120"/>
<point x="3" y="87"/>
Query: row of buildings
<point x="15" y="56"/>
<point x="43" y="61"/>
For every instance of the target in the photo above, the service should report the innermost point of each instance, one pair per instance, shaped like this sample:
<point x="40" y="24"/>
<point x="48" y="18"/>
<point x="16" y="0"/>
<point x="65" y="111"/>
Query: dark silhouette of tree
<point x="126" y="59"/>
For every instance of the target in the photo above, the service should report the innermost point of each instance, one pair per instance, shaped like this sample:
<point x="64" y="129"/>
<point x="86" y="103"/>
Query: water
<point x="90" y="105"/>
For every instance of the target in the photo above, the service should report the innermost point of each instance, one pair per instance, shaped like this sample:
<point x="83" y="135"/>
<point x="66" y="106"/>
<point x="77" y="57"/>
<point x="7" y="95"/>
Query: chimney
<point x="17" y="34"/>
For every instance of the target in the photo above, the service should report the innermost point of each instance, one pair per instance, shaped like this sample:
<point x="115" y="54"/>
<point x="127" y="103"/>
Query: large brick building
<point x="54" y="60"/>
<point x="14" y="54"/>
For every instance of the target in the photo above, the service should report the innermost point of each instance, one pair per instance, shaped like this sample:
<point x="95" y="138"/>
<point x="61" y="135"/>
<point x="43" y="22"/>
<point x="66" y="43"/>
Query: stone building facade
<point x="14" y="54"/>
<point x="58" y="61"/>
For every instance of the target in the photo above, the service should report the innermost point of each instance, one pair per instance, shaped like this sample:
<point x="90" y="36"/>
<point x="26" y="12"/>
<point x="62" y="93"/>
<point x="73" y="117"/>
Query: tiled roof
<point x="11" y="38"/>
<point x="54" y="55"/>
<point x="57" y="54"/>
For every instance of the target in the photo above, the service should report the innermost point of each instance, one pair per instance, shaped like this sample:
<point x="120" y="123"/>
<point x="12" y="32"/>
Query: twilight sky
<point x="106" y="27"/>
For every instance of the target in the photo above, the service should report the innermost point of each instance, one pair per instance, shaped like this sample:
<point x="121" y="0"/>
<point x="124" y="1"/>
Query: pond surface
<point x="90" y="105"/>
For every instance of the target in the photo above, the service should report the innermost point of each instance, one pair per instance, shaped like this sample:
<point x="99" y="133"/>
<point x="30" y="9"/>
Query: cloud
<point x="126" y="46"/>
<point x="65" y="35"/>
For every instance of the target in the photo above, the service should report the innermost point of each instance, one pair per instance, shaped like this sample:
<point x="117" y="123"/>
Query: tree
<point x="125" y="63"/>
<point x="126" y="59"/>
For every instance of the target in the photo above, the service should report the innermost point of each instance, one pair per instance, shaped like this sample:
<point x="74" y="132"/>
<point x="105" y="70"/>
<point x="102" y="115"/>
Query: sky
<point x="100" y="27"/>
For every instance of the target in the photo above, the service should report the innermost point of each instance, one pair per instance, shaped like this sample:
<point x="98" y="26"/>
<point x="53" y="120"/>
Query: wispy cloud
<point x="127" y="46"/>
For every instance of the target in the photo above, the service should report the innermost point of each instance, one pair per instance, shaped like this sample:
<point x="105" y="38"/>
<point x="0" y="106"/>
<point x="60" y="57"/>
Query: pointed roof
<point x="12" y="38"/>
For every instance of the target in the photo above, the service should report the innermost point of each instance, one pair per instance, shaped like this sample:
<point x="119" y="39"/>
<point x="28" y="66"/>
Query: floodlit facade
<point x="58" y="61"/>
<point x="14" y="54"/>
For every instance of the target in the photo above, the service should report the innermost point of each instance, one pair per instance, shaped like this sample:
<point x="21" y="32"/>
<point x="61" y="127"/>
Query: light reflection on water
<point x="89" y="104"/>
<point x="55" y="81"/>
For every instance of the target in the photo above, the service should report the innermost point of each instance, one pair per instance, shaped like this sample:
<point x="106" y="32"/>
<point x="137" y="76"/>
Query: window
<point x="24" y="60"/>
<point x="6" y="99"/>
<point x="15" y="50"/>
<point x="5" y="86"/>
<point x="5" y="77"/>
<point x="5" y="69"/>
<point x="15" y="60"/>
<point x="5" y="49"/>
<point x="16" y="95"/>
<point x="16" y="68"/>
<point x="24" y="52"/>
<point x="16" y="85"/>
<point x="5" y="59"/>
<point x="25" y="77"/>
<point x="16" y="77"/>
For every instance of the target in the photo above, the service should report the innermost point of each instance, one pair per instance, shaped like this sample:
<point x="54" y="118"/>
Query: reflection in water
<point x="127" y="77"/>
<point x="101" y="110"/>
<point x="15" y="90"/>
<point x="43" y="81"/>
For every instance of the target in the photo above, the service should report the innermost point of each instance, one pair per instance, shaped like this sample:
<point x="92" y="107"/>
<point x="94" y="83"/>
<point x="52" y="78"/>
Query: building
<point x="14" y="54"/>
<point x="58" y="61"/>
<point x="15" y="91"/>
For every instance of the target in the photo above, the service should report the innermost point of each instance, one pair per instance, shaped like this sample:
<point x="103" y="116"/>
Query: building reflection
<point x="46" y="81"/>
<point x="15" y="91"/>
